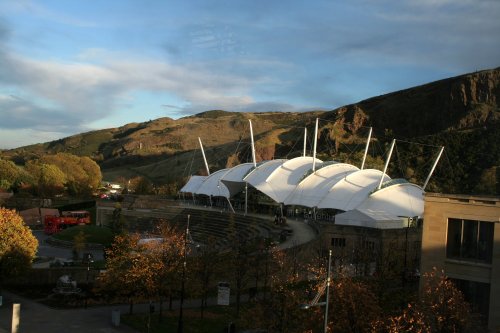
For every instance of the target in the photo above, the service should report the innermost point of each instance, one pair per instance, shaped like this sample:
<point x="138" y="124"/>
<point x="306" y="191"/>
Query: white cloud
<point x="92" y="90"/>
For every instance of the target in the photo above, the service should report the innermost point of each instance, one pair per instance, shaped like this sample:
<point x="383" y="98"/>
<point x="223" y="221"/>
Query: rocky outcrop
<point x="452" y="104"/>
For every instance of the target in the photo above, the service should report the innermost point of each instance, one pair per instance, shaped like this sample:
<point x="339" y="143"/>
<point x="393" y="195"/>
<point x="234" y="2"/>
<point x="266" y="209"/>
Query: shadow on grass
<point x="215" y="320"/>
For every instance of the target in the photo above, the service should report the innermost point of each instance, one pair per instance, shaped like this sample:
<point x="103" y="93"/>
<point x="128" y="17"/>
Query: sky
<point x="68" y="67"/>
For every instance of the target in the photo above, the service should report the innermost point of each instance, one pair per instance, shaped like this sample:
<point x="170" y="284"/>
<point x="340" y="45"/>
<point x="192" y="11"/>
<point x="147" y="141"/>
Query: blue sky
<point x="68" y="67"/>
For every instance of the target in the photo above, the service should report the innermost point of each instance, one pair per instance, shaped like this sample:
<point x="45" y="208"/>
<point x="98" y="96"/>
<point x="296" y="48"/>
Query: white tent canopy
<point x="312" y="189"/>
<point x="370" y="219"/>
<point x="332" y="186"/>
<point x="233" y="179"/>
<point x="212" y="186"/>
<point x="258" y="176"/>
<point x="352" y="190"/>
<point x="404" y="199"/>
<point x="193" y="184"/>
<point x="279" y="180"/>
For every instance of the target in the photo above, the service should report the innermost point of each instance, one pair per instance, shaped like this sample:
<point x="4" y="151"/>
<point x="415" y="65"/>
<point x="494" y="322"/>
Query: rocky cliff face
<point x="452" y="104"/>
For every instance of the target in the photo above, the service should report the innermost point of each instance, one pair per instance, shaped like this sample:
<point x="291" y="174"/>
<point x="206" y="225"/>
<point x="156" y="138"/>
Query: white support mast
<point x="315" y="142"/>
<point x="366" y="148"/>
<point x="254" y="165"/>
<point x="433" y="167"/>
<point x="386" y="164"/>
<point x="305" y="141"/>
<point x="253" y="144"/>
<point x="246" y="198"/>
<point x="204" y="158"/>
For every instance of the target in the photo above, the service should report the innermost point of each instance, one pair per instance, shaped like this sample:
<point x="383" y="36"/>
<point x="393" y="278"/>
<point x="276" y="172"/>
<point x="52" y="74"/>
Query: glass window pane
<point x="454" y="238"/>
<point x="485" y="245"/>
<point x="469" y="239"/>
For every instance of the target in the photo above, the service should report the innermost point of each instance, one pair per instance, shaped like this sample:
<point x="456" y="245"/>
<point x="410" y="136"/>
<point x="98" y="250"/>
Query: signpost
<point x="223" y="294"/>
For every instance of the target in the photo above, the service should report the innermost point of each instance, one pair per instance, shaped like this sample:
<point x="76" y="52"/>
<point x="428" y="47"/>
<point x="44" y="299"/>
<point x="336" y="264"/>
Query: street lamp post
<point x="90" y="259"/>
<point x="180" y="326"/>
<point x="325" y="288"/>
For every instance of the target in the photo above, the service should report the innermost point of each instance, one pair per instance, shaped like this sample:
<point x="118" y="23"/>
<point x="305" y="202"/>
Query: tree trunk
<point x="131" y="306"/>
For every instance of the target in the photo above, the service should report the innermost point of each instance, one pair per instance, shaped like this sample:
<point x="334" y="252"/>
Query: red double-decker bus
<point x="54" y="223"/>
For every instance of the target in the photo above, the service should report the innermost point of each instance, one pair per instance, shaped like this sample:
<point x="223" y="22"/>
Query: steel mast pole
<point x="180" y="325"/>
<point x="327" y="290"/>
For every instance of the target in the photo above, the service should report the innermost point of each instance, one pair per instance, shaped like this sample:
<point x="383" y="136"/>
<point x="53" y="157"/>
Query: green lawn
<point x="93" y="234"/>
<point x="216" y="320"/>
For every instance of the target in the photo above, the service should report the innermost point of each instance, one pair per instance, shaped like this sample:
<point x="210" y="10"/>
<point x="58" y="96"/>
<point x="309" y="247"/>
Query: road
<point x="58" y="253"/>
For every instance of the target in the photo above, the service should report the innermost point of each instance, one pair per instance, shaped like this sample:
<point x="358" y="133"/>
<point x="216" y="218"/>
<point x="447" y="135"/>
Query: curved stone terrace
<point x="143" y="213"/>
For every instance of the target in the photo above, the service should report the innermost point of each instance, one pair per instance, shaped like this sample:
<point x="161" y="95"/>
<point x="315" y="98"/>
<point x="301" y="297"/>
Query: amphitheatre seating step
<point x="203" y="223"/>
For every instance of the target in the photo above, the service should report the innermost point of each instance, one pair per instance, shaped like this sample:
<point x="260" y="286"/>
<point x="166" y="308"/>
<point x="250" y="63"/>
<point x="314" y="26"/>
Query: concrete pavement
<point x="39" y="318"/>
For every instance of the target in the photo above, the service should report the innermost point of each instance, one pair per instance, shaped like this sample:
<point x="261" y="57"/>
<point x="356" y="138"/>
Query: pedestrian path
<point x="39" y="318"/>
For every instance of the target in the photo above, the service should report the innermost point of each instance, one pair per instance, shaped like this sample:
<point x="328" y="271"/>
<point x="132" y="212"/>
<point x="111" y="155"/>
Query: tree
<point x="168" y="254"/>
<point x="281" y="310"/>
<point x="354" y="305"/>
<point x="78" y="244"/>
<point x="82" y="174"/>
<point x="117" y="220"/>
<point x="49" y="179"/>
<point x="137" y="269"/>
<point x="141" y="185"/>
<point x="442" y="308"/>
<point x="127" y="273"/>
<point x="18" y="246"/>
<point x="204" y="268"/>
<point x="9" y="173"/>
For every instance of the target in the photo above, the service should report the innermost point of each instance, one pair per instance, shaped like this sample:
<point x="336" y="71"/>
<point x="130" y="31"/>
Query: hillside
<point x="461" y="113"/>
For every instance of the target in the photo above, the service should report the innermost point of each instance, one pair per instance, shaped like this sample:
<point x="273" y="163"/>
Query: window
<point x="469" y="240"/>
<point x="368" y="245"/>
<point x="477" y="294"/>
<point x="338" y="242"/>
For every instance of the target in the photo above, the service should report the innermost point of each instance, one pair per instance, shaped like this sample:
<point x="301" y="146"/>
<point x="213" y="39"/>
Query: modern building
<point x="461" y="235"/>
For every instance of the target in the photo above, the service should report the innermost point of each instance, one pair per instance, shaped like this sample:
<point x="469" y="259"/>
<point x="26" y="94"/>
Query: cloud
<point x="19" y="113"/>
<point x="82" y="92"/>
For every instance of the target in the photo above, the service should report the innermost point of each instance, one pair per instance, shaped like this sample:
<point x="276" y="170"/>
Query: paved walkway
<point x="39" y="318"/>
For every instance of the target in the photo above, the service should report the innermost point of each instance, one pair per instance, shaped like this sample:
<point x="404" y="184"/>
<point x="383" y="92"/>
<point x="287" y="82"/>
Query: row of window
<point x="467" y="240"/>
<point x="470" y="240"/>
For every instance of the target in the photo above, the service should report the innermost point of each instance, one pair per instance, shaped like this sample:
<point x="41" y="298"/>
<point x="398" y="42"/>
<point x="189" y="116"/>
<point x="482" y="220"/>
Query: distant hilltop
<point x="461" y="113"/>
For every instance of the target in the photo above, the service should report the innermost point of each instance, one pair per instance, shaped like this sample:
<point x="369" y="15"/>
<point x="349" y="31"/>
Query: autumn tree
<point x="9" y="173"/>
<point x="354" y="306"/>
<point x="82" y="174"/>
<point x="141" y="185"/>
<point x="49" y="179"/>
<point x="78" y="244"/>
<point x="238" y="259"/>
<point x="142" y="269"/>
<point x="18" y="246"/>
<point x="204" y="266"/>
<point x="127" y="274"/>
<point x="281" y="310"/>
<point x="441" y="308"/>
<point x="169" y="255"/>
<point x="117" y="220"/>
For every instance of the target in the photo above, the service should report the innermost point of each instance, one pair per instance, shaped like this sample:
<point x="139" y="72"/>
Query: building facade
<point x="461" y="235"/>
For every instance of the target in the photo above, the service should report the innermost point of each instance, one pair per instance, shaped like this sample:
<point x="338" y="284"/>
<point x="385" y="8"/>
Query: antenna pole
<point x="253" y="144"/>
<point x="433" y="167"/>
<point x="328" y="280"/>
<point x="366" y="148"/>
<point x="386" y="164"/>
<point x="305" y="141"/>
<point x="246" y="198"/>
<point x="204" y="158"/>
<point x="315" y="143"/>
